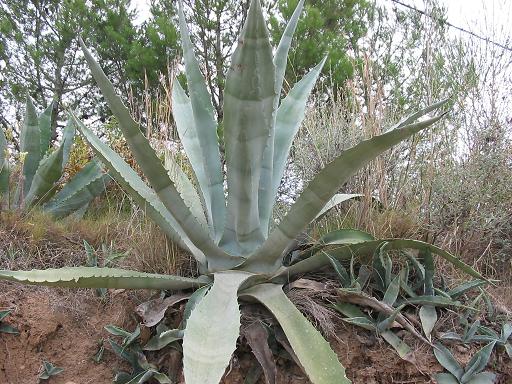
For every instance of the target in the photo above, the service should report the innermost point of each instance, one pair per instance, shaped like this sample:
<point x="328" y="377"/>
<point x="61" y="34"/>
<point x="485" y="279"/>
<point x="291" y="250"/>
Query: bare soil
<point x="65" y="327"/>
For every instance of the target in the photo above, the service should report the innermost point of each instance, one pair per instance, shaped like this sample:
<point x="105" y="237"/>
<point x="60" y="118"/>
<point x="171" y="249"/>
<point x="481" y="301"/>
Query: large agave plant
<point x="42" y="169"/>
<point x="239" y="249"/>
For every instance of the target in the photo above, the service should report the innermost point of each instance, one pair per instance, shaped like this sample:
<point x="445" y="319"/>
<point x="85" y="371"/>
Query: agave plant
<point x="238" y="247"/>
<point x="472" y="373"/>
<point x="41" y="169"/>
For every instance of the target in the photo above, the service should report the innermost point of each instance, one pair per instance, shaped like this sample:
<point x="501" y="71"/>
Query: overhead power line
<point x="486" y="39"/>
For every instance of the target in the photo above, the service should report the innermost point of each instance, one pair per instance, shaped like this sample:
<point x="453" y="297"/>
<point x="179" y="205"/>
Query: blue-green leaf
<point x="205" y="128"/>
<point x="248" y="120"/>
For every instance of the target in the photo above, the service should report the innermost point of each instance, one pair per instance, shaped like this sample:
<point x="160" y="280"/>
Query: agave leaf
<point x="461" y="289"/>
<point x="392" y="291"/>
<point x="185" y="187"/>
<point x="68" y="136"/>
<point x="363" y="276"/>
<point x="4" y="168"/>
<point x="5" y="313"/>
<point x="281" y="56"/>
<point x="428" y="318"/>
<point x="266" y="197"/>
<point x="288" y="119"/>
<point x="478" y="362"/>
<point x="416" y="115"/>
<point x="317" y="358"/>
<point x="451" y="336"/>
<point x="336" y="200"/>
<point x="437" y="301"/>
<point x="349" y="310"/>
<point x="153" y="311"/>
<point x="30" y="144"/>
<point x="117" y="331"/>
<point x="43" y="182"/>
<point x="45" y="128"/>
<point x="337" y="237"/>
<point x="482" y="378"/>
<point x="163" y="339"/>
<point x="345" y="252"/>
<point x="49" y="370"/>
<point x="146" y="376"/>
<point x="78" y="192"/>
<point x="256" y="336"/>
<point x="389" y="322"/>
<point x="446" y="359"/>
<point x="212" y="330"/>
<point x="340" y="270"/>
<point x="91" y="277"/>
<point x="446" y="378"/>
<point x="322" y="188"/>
<point x="418" y="267"/>
<point x="403" y="350"/>
<point x="205" y="132"/>
<point x="471" y="369"/>
<point x="362" y="322"/>
<point x="127" y="354"/>
<point x="152" y="166"/>
<point x="139" y="191"/>
<point x="248" y="120"/>
<point x="194" y="299"/>
<point x="6" y="328"/>
<point x="472" y="331"/>
<point x="506" y="331"/>
<point x="429" y="271"/>
<point x="404" y="278"/>
<point x="383" y="267"/>
<point x="361" y="298"/>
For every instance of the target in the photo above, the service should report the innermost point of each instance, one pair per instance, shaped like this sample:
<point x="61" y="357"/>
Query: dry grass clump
<point x="36" y="241"/>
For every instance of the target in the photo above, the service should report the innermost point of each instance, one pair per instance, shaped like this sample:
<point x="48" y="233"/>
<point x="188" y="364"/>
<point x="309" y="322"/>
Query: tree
<point x="327" y="27"/>
<point x="39" y="52"/>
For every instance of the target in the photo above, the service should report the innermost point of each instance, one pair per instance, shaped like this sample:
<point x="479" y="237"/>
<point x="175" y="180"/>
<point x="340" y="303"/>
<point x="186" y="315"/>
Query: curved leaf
<point x="483" y="378"/>
<point x="288" y="119"/>
<point x="478" y="362"/>
<point x="461" y="289"/>
<point x="185" y="187"/>
<point x="322" y="188"/>
<point x="78" y="192"/>
<point x="4" y="168"/>
<point x="248" y="120"/>
<point x="446" y="359"/>
<point x="143" y="195"/>
<point x="403" y="350"/>
<point x="212" y="330"/>
<point x="428" y="318"/>
<point x="316" y="356"/>
<point x="346" y="251"/>
<point x="47" y="174"/>
<point x="30" y="144"/>
<point x="153" y="168"/>
<point x="265" y="193"/>
<point x="45" y="128"/>
<point x="92" y="277"/>
<point x="162" y="340"/>
<point x="205" y="128"/>
<point x="336" y="200"/>
<point x="68" y="134"/>
<point x="337" y="237"/>
<point x="446" y="378"/>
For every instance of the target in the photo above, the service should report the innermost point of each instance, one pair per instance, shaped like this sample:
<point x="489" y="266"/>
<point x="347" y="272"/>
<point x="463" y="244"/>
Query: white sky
<point x="474" y="15"/>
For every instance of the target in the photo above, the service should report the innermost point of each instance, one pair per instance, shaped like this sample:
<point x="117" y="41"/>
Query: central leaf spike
<point x="249" y="106"/>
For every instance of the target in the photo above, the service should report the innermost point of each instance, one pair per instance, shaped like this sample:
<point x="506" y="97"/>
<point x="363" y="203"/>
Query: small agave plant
<point x="41" y="169"/>
<point x="238" y="247"/>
